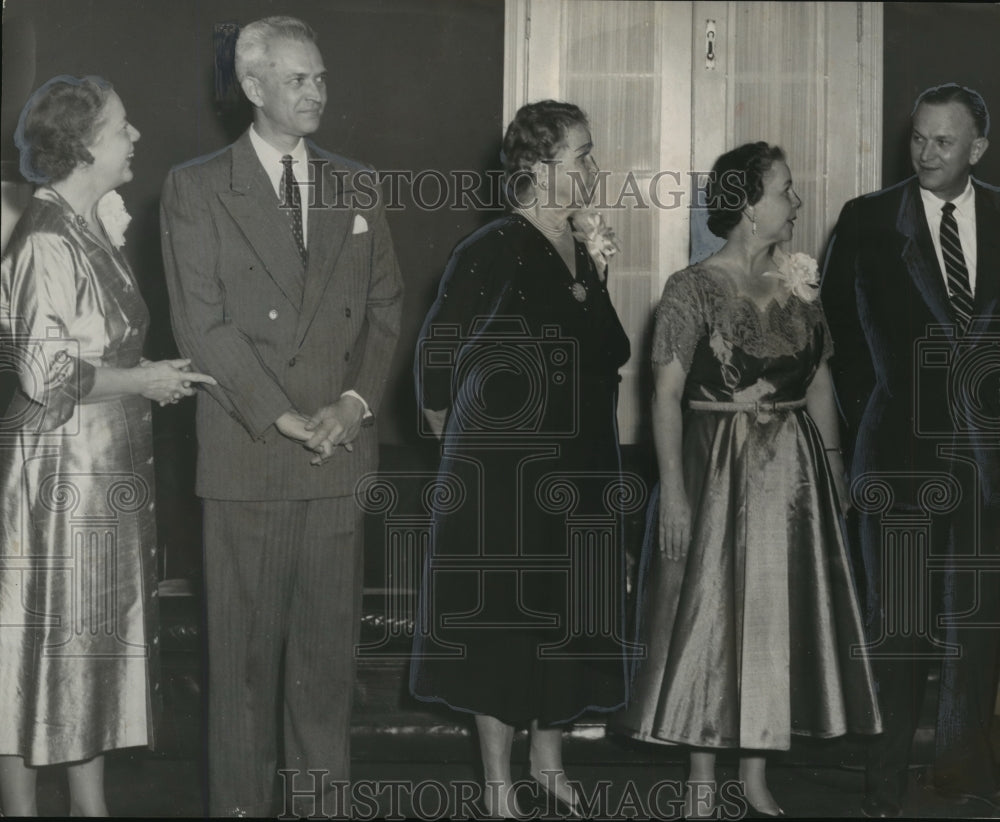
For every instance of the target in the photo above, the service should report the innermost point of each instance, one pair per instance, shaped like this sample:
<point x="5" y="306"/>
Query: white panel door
<point x="668" y="88"/>
<point x="628" y="65"/>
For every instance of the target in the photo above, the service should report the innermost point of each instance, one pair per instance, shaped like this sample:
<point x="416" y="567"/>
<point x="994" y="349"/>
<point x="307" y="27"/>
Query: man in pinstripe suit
<point x="293" y="305"/>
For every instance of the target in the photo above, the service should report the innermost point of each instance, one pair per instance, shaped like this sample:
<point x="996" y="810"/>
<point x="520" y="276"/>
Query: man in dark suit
<point x="911" y="286"/>
<point x="292" y="302"/>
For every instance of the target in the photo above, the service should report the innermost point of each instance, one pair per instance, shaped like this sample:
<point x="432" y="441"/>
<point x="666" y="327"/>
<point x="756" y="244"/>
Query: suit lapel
<point x="253" y="205"/>
<point x="328" y="230"/>
<point x="987" y="252"/>
<point x="919" y="256"/>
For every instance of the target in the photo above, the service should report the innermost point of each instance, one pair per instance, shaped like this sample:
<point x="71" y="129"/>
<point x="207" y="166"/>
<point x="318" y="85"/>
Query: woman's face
<point x="776" y="210"/>
<point x="568" y="179"/>
<point x="112" y="146"/>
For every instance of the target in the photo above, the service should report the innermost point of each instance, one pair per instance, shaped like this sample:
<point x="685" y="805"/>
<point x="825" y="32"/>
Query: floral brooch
<point x="113" y="216"/>
<point x="590" y="228"/>
<point x="799" y="272"/>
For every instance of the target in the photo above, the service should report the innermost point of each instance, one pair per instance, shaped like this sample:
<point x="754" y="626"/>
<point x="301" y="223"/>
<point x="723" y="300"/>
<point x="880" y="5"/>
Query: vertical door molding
<point x="517" y="31"/>
<point x="678" y="33"/>
<point x="870" y="85"/>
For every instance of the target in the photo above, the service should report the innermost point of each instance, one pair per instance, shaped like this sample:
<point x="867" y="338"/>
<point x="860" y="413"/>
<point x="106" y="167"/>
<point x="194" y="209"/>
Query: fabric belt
<point x="754" y="407"/>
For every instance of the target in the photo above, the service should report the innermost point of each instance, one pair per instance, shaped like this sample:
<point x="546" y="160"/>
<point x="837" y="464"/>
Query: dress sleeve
<point x="473" y="286"/>
<point x="40" y="306"/>
<point x="680" y="319"/>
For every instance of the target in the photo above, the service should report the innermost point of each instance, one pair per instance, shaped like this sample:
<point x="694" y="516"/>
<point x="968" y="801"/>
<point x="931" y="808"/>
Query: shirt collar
<point x="964" y="202"/>
<point x="270" y="157"/>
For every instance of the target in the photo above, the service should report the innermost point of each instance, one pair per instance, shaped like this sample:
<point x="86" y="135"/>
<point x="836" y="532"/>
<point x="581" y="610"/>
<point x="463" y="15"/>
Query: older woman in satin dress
<point x="78" y="570"/>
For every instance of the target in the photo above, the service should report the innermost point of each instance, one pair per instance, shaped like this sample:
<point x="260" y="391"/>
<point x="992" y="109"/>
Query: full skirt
<point x="755" y="634"/>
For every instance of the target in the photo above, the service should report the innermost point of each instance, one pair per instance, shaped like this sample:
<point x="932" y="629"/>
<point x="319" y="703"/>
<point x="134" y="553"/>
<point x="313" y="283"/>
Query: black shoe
<point x="875" y="807"/>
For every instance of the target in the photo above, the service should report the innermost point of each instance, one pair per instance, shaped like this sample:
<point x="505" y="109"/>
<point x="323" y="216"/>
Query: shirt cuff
<point x="352" y="393"/>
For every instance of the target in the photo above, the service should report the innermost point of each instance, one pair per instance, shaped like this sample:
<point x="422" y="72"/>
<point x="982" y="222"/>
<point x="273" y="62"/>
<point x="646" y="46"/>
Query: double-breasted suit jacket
<point x="275" y="333"/>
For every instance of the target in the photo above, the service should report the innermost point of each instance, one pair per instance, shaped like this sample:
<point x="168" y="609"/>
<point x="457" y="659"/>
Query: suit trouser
<point x="963" y="760"/>
<point x="283" y="594"/>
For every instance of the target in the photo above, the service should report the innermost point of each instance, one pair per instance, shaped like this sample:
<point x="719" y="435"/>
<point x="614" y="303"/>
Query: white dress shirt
<point x="270" y="158"/>
<point x="965" y="218"/>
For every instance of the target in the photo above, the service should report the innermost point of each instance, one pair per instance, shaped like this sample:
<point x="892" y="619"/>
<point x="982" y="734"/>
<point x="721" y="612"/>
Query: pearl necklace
<point x="551" y="233"/>
<point x="576" y="288"/>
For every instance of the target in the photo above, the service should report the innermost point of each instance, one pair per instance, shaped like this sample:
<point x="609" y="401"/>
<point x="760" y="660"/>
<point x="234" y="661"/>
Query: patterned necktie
<point x="292" y="198"/>
<point x="956" y="273"/>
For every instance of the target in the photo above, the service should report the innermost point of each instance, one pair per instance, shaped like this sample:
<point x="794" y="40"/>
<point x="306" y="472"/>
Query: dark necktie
<point x="956" y="273"/>
<point x="293" y="202"/>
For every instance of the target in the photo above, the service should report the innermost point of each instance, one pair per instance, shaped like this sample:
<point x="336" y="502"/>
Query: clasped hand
<point x="167" y="381"/>
<point x="332" y="425"/>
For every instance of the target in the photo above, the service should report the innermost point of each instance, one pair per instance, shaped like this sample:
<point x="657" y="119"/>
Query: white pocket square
<point x="360" y="225"/>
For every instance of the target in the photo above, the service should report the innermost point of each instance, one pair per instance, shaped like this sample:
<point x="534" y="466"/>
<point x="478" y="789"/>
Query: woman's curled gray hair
<point x="57" y="124"/>
<point x="536" y="134"/>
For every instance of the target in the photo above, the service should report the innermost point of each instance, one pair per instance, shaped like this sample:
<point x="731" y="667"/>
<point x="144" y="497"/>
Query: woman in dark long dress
<point x="517" y="369"/>
<point x="77" y="528"/>
<point x="747" y="608"/>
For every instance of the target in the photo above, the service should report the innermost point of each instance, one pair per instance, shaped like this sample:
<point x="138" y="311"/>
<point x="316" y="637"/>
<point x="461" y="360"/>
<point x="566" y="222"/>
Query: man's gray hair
<point x="255" y="39"/>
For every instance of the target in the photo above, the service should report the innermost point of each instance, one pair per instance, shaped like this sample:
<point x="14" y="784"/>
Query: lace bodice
<point x="732" y="348"/>
<point x="700" y="302"/>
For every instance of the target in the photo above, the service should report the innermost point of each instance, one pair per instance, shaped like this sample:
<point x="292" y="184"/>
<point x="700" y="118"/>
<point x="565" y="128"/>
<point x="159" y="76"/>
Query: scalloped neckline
<point x="722" y="278"/>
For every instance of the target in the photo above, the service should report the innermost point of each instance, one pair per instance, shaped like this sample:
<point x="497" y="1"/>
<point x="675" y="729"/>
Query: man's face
<point x="290" y="91"/>
<point x="944" y="145"/>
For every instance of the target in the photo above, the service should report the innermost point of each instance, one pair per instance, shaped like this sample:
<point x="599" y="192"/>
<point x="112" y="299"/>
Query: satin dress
<point x="753" y="636"/>
<point x="77" y="533"/>
<point x="521" y="612"/>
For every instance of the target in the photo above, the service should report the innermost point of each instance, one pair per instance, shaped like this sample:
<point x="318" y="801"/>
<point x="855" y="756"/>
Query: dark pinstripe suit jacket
<point x="274" y="333"/>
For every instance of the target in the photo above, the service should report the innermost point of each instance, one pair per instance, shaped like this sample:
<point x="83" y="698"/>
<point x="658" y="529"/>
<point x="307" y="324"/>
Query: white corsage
<point x="113" y="216"/>
<point x="800" y="273"/>
<point x="589" y="227"/>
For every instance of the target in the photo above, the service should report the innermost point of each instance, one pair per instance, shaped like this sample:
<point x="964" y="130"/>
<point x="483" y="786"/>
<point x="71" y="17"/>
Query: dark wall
<point x="413" y="85"/>
<point x="927" y="44"/>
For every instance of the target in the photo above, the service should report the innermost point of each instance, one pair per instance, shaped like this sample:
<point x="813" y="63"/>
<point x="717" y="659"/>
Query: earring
<point x="753" y="226"/>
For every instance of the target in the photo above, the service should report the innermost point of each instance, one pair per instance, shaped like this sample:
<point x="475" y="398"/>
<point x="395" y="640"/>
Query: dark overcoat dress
<point x="521" y="608"/>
